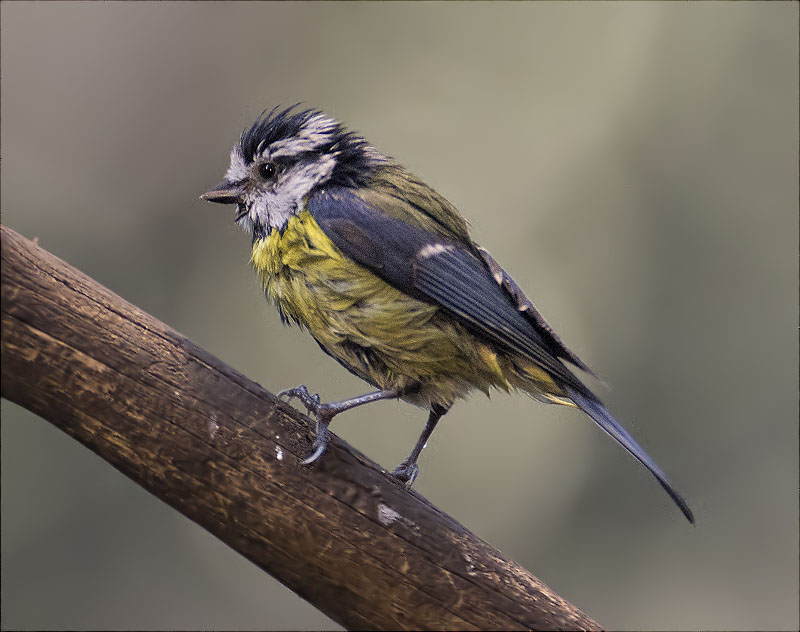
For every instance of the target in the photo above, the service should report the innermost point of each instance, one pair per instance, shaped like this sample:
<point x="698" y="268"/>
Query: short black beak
<point x="224" y="193"/>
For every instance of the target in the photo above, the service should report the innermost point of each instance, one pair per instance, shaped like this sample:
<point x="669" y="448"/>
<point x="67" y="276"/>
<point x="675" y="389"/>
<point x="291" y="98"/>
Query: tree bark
<point x="226" y="453"/>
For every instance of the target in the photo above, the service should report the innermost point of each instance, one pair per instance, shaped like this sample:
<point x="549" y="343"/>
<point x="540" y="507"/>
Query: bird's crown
<point x="291" y="135"/>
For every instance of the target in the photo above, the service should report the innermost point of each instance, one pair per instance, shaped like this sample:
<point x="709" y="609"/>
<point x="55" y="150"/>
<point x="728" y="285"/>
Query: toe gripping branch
<point x="324" y="413"/>
<point x="322" y="418"/>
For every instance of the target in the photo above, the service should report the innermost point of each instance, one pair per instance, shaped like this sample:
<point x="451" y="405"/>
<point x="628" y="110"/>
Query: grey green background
<point x="634" y="166"/>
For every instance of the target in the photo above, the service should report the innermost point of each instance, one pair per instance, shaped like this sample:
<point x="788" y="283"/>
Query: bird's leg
<point x="408" y="470"/>
<point x="323" y="413"/>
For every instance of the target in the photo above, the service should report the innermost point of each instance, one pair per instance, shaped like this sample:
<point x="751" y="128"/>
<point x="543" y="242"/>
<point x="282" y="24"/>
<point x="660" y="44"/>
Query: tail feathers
<point x="603" y="418"/>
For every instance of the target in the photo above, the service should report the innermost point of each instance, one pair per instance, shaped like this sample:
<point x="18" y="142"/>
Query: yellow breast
<point x="383" y="335"/>
<point x="314" y="284"/>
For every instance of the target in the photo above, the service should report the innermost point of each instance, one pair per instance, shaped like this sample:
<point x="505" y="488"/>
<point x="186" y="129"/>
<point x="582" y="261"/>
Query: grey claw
<point x="320" y="444"/>
<point x="315" y="455"/>
<point x="321" y="414"/>
<point x="288" y="394"/>
<point x="406" y="473"/>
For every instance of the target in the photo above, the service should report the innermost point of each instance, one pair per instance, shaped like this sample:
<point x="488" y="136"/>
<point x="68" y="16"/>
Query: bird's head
<point x="282" y="158"/>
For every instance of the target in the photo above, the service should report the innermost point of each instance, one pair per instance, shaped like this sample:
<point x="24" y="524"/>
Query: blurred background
<point x="634" y="166"/>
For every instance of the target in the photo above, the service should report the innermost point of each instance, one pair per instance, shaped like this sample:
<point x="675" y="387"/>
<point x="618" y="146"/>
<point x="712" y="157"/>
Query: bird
<point x="381" y="270"/>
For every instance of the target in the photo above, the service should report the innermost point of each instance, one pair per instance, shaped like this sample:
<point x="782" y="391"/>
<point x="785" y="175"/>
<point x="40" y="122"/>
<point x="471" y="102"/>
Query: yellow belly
<point x="381" y="334"/>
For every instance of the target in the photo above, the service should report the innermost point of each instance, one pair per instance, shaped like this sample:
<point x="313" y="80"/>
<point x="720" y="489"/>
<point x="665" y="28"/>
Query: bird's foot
<point x="311" y="402"/>
<point x="406" y="473"/>
<point x="322" y="413"/>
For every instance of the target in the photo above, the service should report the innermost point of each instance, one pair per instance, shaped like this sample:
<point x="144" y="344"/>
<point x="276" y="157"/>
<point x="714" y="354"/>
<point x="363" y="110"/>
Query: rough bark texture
<point x="224" y="452"/>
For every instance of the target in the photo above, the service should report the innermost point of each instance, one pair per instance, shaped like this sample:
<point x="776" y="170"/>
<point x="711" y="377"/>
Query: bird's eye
<point x="267" y="170"/>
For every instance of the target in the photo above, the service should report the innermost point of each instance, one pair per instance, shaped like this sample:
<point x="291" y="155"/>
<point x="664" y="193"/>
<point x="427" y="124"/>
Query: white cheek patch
<point x="305" y="176"/>
<point x="273" y="208"/>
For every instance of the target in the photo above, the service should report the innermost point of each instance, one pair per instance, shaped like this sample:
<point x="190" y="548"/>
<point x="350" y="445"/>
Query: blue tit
<point x="381" y="270"/>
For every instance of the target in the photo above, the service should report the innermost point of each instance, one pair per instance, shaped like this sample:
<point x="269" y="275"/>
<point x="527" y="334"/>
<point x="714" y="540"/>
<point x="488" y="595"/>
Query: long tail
<point x="592" y="407"/>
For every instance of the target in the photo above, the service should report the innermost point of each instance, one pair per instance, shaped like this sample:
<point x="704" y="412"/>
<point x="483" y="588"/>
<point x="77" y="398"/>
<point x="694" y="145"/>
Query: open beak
<point x="224" y="193"/>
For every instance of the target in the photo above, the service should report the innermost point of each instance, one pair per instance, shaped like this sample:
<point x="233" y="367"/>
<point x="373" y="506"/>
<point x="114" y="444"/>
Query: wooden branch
<point x="226" y="453"/>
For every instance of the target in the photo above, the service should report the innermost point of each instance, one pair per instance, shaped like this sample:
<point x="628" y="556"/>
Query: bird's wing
<point x="445" y="270"/>
<point x="422" y="207"/>
<point x="438" y="269"/>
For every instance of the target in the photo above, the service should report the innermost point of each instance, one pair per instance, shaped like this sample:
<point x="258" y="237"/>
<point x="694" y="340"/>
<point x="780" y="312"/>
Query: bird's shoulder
<point x="402" y="195"/>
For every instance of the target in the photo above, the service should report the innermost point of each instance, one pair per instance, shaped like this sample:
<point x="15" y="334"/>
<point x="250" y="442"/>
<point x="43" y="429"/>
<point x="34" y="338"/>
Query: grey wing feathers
<point x="525" y="306"/>
<point x="440" y="271"/>
<point x="457" y="280"/>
